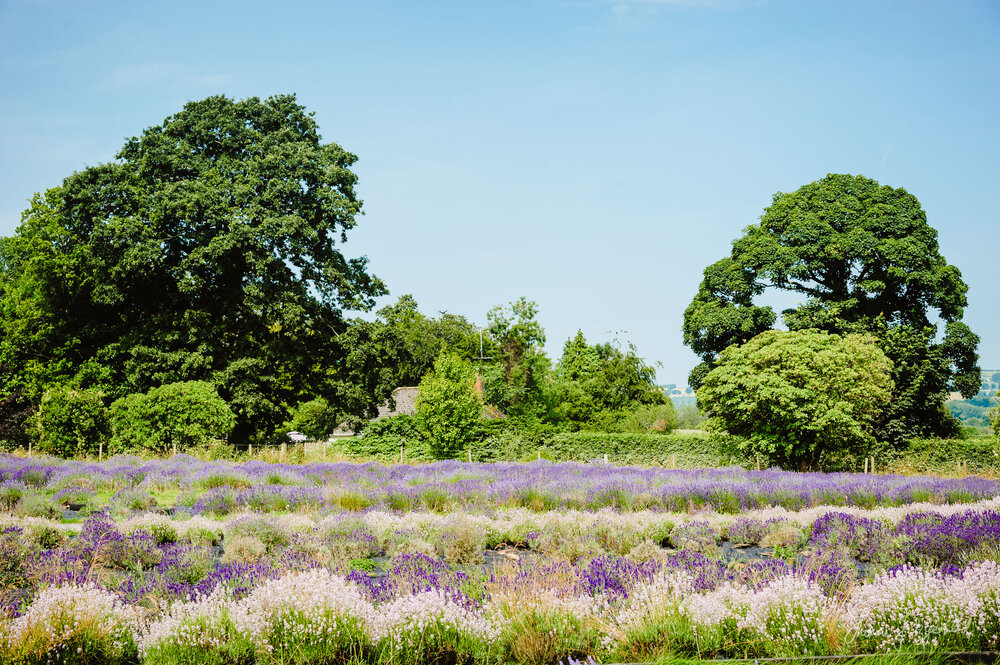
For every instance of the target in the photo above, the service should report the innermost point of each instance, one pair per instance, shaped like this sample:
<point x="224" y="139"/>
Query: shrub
<point x="751" y="531"/>
<point x="243" y="549"/>
<point x="77" y="624"/>
<point x="44" y="536"/>
<point x="462" y="543"/>
<point x="162" y="533"/>
<point x="695" y="536"/>
<point x="686" y="450"/>
<point x="315" y="418"/>
<point x="656" y="419"/>
<point x="71" y="422"/>
<point x="11" y="493"/>
<point x="448" y="410"/>
<point x="383" y="439"/>
<point x="799" y="396"/>
<point x="995" y="422"/>
<point x="36" y="505"/>
<point x="647" y="550"/>
<point x="186" y="414"/>
<point x="306" y="617"/>
<point x="200" y="536"/>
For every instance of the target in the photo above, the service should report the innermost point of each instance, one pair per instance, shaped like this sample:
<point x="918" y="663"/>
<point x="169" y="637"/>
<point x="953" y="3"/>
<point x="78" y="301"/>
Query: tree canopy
<point x="448" y="410"/>
<point x="866" y="261"/>
<point x="181" y="415"/>
<point x="597" y="384"/>
<point x="798" y="397"/>
<point x="208" y="250"/>
<point x="516" y="381"/>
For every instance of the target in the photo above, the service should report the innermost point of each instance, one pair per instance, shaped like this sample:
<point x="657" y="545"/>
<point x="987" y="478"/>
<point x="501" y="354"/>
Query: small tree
<point x="797" y="397"/>
<point x="447" y="408"/>
<point x="71" y="422"/>
<point x="188" y="414"/>
<point x="659" y="419"/>
<point x="315" y="418"/>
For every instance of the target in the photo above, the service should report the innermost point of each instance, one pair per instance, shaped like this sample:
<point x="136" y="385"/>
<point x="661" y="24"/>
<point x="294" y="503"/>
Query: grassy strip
<point x="923" y="658"/>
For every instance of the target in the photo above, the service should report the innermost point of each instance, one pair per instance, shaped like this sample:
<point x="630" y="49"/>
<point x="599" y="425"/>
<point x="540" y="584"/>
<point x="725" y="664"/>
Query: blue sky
<point x="592" y="156"/>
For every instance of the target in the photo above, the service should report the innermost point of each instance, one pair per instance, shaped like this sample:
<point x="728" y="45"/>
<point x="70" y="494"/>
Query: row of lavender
<point x="157" y="589"/>
<point x="318" y="616"/>
<point x="121" y="484"/>
<point x="610" y="609"/>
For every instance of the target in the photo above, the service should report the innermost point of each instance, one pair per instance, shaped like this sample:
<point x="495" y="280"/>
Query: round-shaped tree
<point x="797" y="397"/>
<point x="865" y="260"/>
<point x="185" y="415"/>
<point x="71" y="421"/>
<point x="210" y="249"/>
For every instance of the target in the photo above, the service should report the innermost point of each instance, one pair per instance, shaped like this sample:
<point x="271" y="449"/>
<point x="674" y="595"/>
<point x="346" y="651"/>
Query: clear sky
<point x="592" y="156"/>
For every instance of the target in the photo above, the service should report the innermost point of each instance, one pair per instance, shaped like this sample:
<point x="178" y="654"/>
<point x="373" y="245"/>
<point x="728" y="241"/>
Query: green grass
<point x="879" y="659"/>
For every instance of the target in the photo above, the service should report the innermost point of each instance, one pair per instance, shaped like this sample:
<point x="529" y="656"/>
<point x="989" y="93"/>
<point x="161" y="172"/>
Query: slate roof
<point x="405" y="398"/>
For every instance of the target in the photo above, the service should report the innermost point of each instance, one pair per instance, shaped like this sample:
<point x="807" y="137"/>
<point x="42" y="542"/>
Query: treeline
<point x="478" y="385"/>
<point x="196" y="288"/>
<point x="474" y="385"/>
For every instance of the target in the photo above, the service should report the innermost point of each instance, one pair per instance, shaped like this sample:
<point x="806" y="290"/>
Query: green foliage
<point x="995" y="421"/>
<point x="422" y="338"/>
<point x="314" y="418"/>
<point x="799" y="396"/>
<point x="660" y="419"/>
<point x="688" y="451"/>
<point x="515" y="384"/>
<point x="976" y="454"/>
<point x="448" y="410"/>
<point x="15" y="414"/>
<point x="71" y="421"/>
<point x="207" y="251"/>
<point x="689" y="416"/>
<point x="600" y="387"/>
<point x="866" y="261"/>
<point x="970" y="412"/>
<point x="384" y="438"/>
<point x="186" y="414"/>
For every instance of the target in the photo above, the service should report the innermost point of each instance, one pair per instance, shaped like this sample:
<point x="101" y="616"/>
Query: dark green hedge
<point x="944" y="456"/>
<point x="513" y="442"/>
<point x="673" y="450"/>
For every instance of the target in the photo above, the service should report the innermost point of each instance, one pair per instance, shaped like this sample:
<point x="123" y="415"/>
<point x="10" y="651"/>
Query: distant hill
<point x="975" y="412"/>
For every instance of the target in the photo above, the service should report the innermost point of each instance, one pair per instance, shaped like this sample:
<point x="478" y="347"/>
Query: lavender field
<point x="185" y="561"/>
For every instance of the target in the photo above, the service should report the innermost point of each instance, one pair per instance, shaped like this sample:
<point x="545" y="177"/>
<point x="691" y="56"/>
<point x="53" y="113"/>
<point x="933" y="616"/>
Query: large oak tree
<point x="208" y="250"/>
<point x="865" y="260"/>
